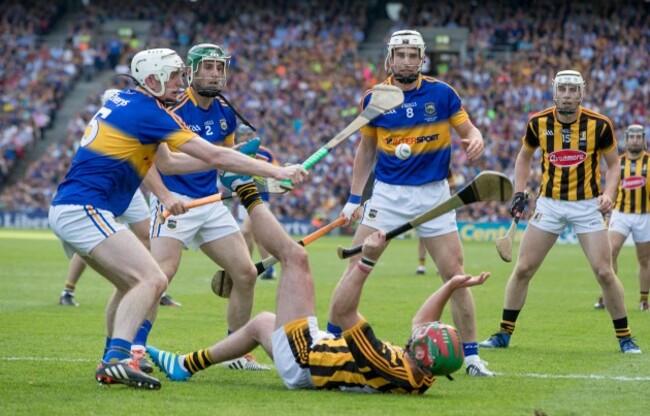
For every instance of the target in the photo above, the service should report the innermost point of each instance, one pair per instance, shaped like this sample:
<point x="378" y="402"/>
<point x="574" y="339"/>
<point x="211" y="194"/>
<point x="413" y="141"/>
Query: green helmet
<point x="207" y="52"/>
<point x="436" y="348"/>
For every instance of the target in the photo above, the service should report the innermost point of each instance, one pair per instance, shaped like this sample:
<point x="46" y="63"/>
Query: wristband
<point x="354" y="199"/>
<point x="363" y="267"/>
<point x="367" y="262"/>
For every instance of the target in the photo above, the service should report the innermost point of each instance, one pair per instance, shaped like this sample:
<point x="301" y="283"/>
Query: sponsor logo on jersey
<point x="411" y="140"/>
<point x="194" y="128"/>
<point x="633" y="182"/>
<point x="550" y="133"/>
<point x="567" y="157"/>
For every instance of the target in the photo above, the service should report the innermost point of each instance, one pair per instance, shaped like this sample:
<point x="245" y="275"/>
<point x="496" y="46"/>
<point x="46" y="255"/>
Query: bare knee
<point x="246" y="278"/>
<point x="524" y="271"/>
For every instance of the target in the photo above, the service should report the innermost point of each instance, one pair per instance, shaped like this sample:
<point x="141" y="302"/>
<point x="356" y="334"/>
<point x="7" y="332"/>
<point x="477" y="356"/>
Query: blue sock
<point x="107" y="346"/>
<point x="470" y="348"/>
<point x="143" y="333"/>
<point x="334" y="330"/>
<point x="119" y="349"/>
<point x="230" y="331"/>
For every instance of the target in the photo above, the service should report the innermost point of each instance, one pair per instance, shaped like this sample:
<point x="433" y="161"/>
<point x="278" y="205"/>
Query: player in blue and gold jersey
<point x="210" y="228"/>
<point x="631" y="214"/>
<point x="116" y="152"/>
<point x="308" y="358"/>
<point x="404" y="188"/>
<point x="573" y="140"/>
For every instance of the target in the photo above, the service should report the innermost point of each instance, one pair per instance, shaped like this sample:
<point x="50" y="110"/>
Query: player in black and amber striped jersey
<point x="308" y="358"/>
<point x="631" y="214"/>
<point x="573" y="140"/>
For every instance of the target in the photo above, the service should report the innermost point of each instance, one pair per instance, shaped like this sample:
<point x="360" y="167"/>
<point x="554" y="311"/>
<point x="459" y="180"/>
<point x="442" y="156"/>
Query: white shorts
<point x="197" y="226"/>
<point x="82" y="227"/>
<point x="552" y="215"/>
<point x="637" y="224"/>
<point x="391" y="206"/>
<point x="295" y="376"/>
<point x="137" y="211"/>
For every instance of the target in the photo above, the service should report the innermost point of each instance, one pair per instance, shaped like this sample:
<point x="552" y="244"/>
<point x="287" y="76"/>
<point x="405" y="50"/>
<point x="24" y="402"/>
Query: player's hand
<point x="518" y="204"/>
<point x="465" y="280"/>
<point x="374" y="245"/>
<point x="351" y="209"/>
<point x="605" y="204"/>
<point x="295" y="173"/>
<point x="175" y="205"/>
<point x="474" y="147"/>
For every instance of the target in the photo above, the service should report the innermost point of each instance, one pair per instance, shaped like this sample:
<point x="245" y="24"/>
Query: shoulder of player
<point x="540" y="114"/>
<point x="593" y="114"/>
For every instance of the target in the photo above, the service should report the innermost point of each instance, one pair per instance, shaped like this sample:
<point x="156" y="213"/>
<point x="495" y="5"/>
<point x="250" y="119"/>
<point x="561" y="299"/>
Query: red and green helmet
<point x="436" y="348"/>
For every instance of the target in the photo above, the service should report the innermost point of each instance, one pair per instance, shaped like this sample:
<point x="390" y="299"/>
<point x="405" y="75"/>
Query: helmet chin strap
<point x="406" y="79"/>
<point x="207" y="92"/>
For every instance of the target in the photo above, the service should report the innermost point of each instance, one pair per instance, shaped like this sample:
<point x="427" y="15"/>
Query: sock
<point x="334" y="330"/>
<point x="69" y="287"/>
<point x="421" y="262"/>
<point x="643" y="297"/>
<point x="143" y="333"/>
<point x="249" y="196"/>
<point x="509" y="320"/>
<point x="621" y="327"/>
<point x="107" y="346"/>
<point x="195" y="361"/>
<point x="470" y="349"/>
<point x="119" y="349"/>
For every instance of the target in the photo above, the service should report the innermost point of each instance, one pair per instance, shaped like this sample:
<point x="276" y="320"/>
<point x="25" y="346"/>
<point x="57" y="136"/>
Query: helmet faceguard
<point x="207" y="85"/>
<point x="405" y="39"/>
<point x="161" y="63"/>
<point x="436" y="348"/>
<point x="635" y="131"/>
<point x="568" y="78"/>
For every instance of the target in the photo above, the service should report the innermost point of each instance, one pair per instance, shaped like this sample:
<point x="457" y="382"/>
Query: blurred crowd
<point x="296" y="74"/>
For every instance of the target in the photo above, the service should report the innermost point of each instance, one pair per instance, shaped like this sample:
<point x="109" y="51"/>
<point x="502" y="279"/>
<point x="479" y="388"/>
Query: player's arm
<point x="431" y="309"/>
<point x="612" y="179"/>
<point x="522" y="167"/>
<point x="471" y="139"/>
<point x="153" y="181"/>
<point x="233" y="161"/>
<point x="345" y="299"/>
<point x="363" y="162"/>
<point x="177" y="163"/>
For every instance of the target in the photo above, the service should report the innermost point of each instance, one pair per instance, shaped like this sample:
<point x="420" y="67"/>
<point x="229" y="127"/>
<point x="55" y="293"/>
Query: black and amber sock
<point x="198" y="360"/>
<point x="621" y="327"/>
<point x="422" y="261"/>
<point x="509" y="320"/>
<point x="69" y="287"/>
<point x="643" y="297"/>
<point x="249" y="196"/>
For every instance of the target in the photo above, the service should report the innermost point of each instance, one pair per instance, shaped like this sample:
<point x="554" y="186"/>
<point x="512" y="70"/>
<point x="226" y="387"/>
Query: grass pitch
<point x="563" y="359"/>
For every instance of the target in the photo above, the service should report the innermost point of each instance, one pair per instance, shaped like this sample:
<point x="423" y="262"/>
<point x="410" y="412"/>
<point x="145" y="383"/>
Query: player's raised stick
<point x="384" y="98"/>
<point x="487" y="186"/>
<point x="222" y="282"/>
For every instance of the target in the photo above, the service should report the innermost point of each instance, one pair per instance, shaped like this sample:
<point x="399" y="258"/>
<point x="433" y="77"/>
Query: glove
<point x="518" y="204"/>
<point x="232" y="181"/>
<point x="351" y="206"/>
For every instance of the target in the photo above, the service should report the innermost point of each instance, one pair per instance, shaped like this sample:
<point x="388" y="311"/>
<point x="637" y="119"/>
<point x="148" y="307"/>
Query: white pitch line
<point x="575" y="376"/>
<point x="63" y="360"/>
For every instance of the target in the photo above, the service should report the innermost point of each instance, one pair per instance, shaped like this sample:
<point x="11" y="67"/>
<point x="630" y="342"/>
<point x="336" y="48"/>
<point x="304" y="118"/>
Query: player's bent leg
<point x="643" y="256"/>
<point x="167" y="253"/>
<point x="141" y="230"/>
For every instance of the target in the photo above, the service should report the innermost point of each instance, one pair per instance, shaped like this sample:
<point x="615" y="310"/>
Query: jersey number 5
<point x="93" y="127"/>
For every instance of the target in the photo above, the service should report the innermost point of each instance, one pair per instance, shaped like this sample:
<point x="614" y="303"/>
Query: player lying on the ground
<point x="308" y="358"/>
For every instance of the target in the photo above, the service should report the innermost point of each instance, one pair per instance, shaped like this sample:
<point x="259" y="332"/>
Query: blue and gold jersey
<point x="117" y="150"/>
<point x="424" y="122"/>
<point x="268" y="155"/>
<point x="217" y="125"/>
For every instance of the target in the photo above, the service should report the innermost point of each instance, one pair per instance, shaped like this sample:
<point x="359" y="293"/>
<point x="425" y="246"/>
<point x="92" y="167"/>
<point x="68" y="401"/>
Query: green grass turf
<point x="563" y="360"/>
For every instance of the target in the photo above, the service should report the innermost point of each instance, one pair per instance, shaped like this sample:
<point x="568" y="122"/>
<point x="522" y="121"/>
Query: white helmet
<point x="108" y="94"/>
<point x="160" y="62"/>
<point x="636" y="129"/>
<point x="405" y="39"/>
<point x="568" y="77"/>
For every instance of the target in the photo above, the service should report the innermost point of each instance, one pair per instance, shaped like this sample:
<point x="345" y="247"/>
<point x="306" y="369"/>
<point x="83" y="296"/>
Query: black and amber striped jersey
<point x="634" y="188"/>
<point x="571" y="153"/>
<point x="356" y="362"/>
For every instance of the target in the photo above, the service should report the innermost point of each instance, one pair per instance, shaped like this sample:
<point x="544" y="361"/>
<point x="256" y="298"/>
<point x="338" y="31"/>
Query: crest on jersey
<point x="429" y="108"/>
<point x="372" y="214"/>
<point x="223" y="124"/>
